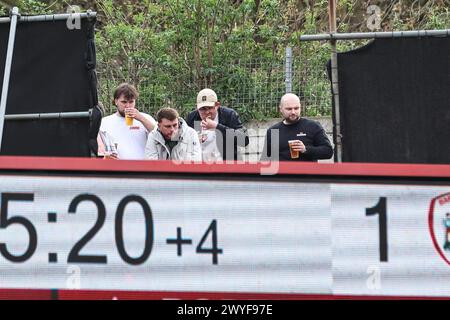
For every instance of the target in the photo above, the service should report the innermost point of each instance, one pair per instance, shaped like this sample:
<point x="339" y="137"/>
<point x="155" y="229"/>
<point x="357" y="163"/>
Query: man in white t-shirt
<point x="128" y="128"/>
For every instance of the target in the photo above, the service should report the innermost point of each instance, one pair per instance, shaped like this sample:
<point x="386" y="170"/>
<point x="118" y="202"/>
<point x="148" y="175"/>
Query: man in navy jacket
<point x="220" y="128"/>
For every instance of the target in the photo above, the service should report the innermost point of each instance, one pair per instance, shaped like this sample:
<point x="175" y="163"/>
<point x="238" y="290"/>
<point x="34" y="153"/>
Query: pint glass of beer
<point x="294" y="154"/>
<point x="128" y="120"/>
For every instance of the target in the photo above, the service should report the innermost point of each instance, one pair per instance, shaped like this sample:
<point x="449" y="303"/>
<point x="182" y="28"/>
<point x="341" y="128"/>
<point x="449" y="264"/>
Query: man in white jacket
<point x="172" y="139"/>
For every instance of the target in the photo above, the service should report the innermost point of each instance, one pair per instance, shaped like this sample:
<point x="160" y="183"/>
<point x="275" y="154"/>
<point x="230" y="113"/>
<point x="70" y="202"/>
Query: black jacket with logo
<point x="310" y="132"/>
<point x="230" y="126"/>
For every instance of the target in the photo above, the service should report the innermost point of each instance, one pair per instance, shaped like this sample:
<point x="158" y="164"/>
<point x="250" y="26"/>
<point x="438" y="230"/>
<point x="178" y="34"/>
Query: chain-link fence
<point x="252" y="87"/>
<point x="312" y="83"/>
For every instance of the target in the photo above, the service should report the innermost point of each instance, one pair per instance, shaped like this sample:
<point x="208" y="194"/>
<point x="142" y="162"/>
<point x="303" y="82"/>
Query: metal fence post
<point x="335" y="86"/>
<point x="8" y="63"/>
<point x="288" y="70"/>
<point x="334" y="80"/>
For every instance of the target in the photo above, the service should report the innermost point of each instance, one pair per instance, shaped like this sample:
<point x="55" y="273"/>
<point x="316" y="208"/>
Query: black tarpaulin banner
<point x="394" y="97"/>
<point x="53" y="70"/>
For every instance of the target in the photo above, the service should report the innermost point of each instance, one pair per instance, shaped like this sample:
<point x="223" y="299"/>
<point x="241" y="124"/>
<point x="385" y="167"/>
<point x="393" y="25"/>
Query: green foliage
<point x="170" y="49"/>
<point x="32" y="7"/>
<point x="26" y="7"/>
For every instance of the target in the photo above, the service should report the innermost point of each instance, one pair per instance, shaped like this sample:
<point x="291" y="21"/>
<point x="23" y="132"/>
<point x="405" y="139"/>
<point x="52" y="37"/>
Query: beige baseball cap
<point x="206" y="98"/>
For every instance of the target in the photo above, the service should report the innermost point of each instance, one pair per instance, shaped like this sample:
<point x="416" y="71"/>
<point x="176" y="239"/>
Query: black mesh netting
<point x="53" y="70"/>
<point x="395" y="101"/>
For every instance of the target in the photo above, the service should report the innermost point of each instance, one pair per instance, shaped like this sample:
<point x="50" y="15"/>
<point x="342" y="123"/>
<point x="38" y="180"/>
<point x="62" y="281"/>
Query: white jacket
<point x="187" y="149"/>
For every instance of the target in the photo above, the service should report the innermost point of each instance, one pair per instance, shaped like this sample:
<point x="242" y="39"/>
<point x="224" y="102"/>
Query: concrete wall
<point x="257" y="133"/>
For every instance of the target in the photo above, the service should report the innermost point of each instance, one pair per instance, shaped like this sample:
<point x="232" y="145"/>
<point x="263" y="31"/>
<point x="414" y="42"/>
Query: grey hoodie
<point x="187" y="149"/>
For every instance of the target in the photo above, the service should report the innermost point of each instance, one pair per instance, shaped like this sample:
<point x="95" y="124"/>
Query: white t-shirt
<point x="210" y="152"/>
<point x="130" y="140"/>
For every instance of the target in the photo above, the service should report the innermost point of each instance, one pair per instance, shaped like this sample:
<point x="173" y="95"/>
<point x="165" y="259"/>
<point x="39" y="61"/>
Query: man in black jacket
<point x="220" y="129"/>
<point x="295" y="138"/>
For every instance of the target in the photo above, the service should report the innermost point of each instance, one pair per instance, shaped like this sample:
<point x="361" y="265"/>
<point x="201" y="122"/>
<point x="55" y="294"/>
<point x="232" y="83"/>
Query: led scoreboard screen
<point x="162" y="230"/>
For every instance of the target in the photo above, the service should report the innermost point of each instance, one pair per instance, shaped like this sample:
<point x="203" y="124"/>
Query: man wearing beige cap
<point x="220" y="129"/>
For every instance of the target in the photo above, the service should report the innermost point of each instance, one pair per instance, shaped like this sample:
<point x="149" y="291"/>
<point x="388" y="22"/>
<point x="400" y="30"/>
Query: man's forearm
<point x="147" y="123"/>
<point x="319" y="152"/>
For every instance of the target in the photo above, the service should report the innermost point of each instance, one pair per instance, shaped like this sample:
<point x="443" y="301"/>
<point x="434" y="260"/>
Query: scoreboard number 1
<point x="380" y="209"/>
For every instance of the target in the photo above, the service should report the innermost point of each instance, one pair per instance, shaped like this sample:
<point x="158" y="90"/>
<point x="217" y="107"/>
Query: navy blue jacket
<point x="230" y="126"/>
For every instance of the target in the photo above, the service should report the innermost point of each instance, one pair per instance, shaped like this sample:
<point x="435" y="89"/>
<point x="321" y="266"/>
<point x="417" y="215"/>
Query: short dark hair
<point x="167" y="113"/>
<point x="127" y="90"/>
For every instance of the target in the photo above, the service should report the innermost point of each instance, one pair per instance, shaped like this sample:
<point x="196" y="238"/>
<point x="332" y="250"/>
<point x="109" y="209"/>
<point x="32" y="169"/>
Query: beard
<point x="291" y="119"/>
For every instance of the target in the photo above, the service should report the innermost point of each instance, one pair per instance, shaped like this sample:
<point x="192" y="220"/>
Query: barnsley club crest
<point x="439" y="224"/>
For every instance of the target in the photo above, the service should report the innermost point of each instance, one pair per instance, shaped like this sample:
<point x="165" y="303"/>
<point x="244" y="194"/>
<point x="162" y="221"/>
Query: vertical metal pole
<point x="335" y="80"/>
<point x="8" y="63"/>
<point x="288" y="71"/>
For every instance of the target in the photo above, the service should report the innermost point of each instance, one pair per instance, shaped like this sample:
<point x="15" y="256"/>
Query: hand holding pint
<point x="294" y="148"/>
<point x="129" y="116"/>
<point x="111" y="153"/>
